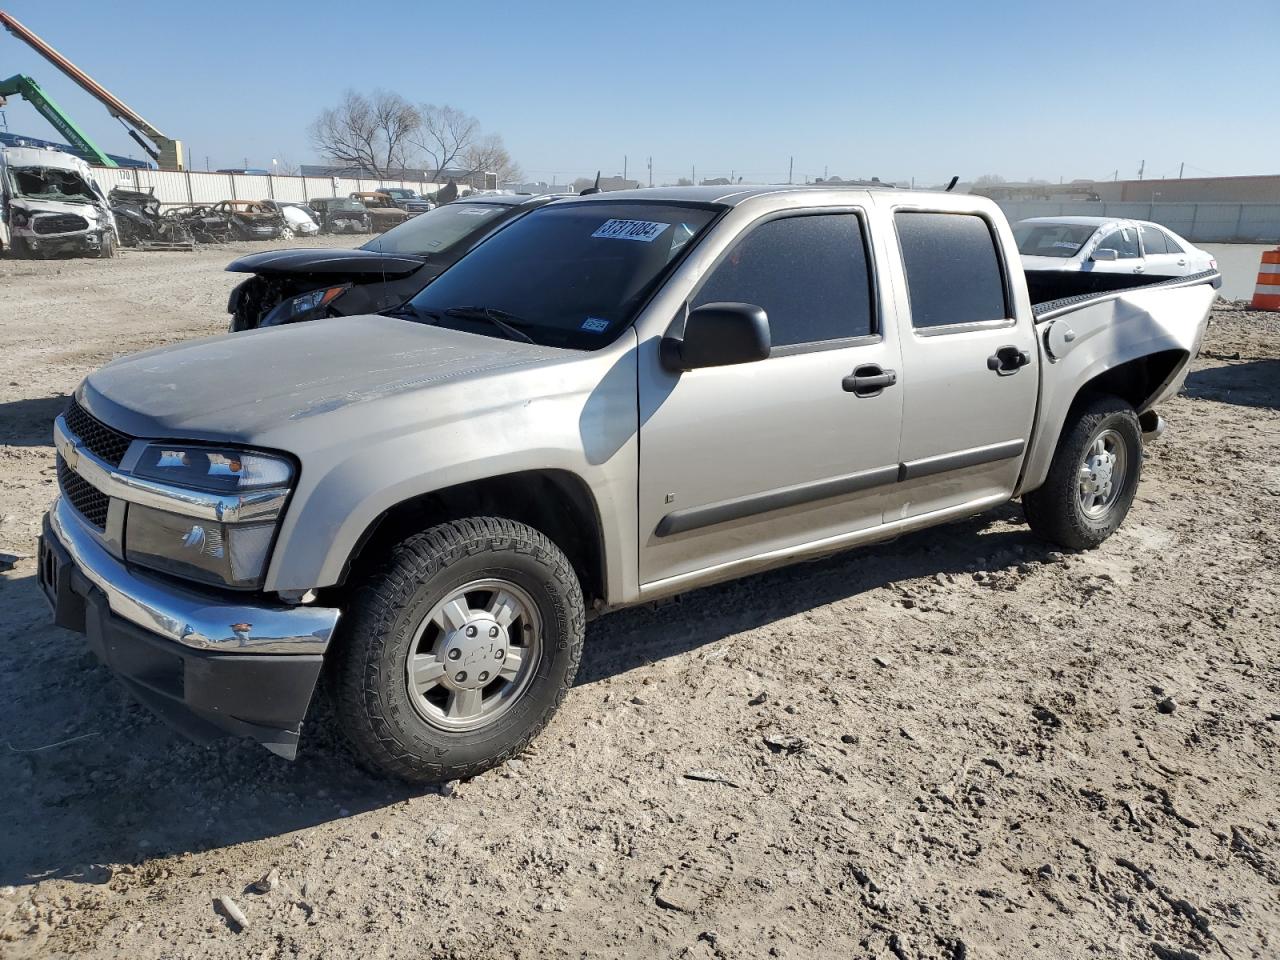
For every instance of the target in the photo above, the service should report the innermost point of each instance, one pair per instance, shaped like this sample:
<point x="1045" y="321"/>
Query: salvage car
<point x="290" y="286"/>
<point x="251" y="219"/>
<point x="141" y="223"/>
<point x="341" y="215"/>
<point x="1094" y="254"/>
<point x="50" y="205"/>
<point x="613" y="399"/>
<point x="383" y="212"/>
<point x="204" y="223"/>
<point x="408" y="200"/>
<point x="299" y="219"/>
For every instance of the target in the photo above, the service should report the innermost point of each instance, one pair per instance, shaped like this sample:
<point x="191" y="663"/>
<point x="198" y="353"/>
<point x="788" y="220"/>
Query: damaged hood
<point x="250" y="387"/>
<point x="327" y="262"/>
<point x="81" y="208"/>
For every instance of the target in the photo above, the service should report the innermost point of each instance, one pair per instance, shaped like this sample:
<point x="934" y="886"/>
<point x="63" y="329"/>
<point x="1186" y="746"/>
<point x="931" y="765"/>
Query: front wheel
<point x="459" y="649"/>
<point x="1093" y="477"/>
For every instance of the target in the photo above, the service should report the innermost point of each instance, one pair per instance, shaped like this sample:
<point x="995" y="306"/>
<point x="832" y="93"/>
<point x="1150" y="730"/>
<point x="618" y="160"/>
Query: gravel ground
<point x="963" y="744"/>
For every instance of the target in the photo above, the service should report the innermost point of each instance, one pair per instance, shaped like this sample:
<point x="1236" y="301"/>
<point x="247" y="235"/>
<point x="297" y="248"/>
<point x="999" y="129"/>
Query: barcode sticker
<point x="642" y="230"/>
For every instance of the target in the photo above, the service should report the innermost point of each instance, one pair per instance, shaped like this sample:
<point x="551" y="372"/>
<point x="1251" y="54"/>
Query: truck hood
<point x="239" y="387"/>
<point x="328" y="263"/>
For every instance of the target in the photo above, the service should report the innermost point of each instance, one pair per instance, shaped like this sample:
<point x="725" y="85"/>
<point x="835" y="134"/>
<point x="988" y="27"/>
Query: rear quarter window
<point x="953" y="268"/>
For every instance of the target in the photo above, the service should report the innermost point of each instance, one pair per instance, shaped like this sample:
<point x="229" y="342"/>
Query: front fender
<point x="579" y="417"/>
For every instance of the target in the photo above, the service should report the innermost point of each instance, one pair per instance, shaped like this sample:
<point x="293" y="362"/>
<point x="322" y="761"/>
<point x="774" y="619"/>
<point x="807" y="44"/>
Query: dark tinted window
<point x="809" y="273"/>
<point x="1123" y="241"/>
<point x="953" y="269"/>
<point x="567" y="274"/>
<point x="1153" y="241"/>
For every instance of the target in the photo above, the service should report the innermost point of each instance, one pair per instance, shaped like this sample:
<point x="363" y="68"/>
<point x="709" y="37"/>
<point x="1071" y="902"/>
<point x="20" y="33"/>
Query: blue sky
<point x="894" y="90"/>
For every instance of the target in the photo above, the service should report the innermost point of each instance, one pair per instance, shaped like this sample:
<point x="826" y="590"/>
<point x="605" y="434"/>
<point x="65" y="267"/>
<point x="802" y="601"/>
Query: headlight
<point x="216" y="469"/>
<point x="203" y="547"/>
<point x="306" y="306"/>
<point x="18" y="218"/>
<point x="222" y="554"/>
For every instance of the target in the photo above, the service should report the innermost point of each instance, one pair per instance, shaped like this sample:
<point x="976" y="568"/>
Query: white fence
<point x="1204" y="222"/>
<point x="190" y="186"/>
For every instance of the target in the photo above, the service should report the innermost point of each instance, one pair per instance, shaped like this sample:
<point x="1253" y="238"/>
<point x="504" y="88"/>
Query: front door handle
<point x="1139" y="268"/>
<point x="869" y="380"/>
<point x="1008" y="360"/>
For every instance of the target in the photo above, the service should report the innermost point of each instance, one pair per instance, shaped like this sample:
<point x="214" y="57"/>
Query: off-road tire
<point x="371" y="696"/>
<point x="1054" y="510"/>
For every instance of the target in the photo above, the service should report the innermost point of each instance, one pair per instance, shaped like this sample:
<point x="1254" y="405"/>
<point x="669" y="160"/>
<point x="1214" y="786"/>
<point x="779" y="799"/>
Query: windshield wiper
<point x="501" y="319"/>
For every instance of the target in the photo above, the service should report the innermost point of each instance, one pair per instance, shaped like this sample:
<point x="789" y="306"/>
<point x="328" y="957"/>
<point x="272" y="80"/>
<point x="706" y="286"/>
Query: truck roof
<point x="35" y="157"/>
<point x="734" y="194"/>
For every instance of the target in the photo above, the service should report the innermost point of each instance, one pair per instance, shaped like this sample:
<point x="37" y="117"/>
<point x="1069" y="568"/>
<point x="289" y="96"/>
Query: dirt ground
<point x="962" y="744"/>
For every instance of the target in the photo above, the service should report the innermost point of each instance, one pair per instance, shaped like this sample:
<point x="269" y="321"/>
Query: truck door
<point x="740" y="461"/>
<point x="970" y="365"/>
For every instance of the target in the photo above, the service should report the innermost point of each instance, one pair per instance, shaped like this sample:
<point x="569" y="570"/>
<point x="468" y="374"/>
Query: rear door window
<point x="1123" y="241"/>
<point x="810" y="273"/>
<point x="953" y="268"/>
<point x="1154" y="242"/>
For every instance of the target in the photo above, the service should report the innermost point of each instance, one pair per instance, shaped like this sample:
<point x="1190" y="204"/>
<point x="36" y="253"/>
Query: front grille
<point x="90" y="502"/>
<point x="99" y="439"/>
<point x="60" y="223"/>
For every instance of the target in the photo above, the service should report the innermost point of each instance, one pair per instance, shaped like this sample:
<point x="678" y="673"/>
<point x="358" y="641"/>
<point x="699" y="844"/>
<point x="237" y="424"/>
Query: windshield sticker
<point x="1065" y="243"/>
<point x="472" y="211"/>
<point x="642" y="230"/>
<point x="594" y="325"/>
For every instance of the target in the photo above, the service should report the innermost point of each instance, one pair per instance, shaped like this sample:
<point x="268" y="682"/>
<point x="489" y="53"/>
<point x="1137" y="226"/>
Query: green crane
<point x="30" y="91"/>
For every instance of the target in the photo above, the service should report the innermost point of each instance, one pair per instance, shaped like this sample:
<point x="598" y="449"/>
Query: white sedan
<point x="1114" y="253"/>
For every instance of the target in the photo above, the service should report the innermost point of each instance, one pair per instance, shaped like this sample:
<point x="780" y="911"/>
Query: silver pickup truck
<point x="615" y="398"/>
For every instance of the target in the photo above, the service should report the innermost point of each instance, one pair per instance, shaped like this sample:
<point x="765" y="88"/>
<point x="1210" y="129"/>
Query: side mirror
<point x="718" y="335"/>
<point x="1104" y="254"/>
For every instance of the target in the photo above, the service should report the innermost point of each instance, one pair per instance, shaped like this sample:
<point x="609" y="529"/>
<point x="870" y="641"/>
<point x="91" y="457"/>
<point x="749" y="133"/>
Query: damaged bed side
<point x="50" y="206"/>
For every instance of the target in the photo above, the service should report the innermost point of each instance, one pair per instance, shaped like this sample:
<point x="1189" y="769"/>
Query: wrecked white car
<point x="50" y="205"/>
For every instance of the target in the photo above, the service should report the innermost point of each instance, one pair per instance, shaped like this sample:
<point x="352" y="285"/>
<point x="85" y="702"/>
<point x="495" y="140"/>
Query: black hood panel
<point x="336" y="263"/>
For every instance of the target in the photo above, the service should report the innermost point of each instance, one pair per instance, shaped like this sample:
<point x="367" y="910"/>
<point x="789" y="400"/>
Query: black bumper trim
<point x="205" y="695"/>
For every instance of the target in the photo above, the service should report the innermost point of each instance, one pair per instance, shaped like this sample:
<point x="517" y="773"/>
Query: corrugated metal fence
<point x="190" y="186"/>
<point x="1206" y="222"/>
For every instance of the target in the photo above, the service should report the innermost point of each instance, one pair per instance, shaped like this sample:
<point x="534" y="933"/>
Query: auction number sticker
<point x="643" y="230"/>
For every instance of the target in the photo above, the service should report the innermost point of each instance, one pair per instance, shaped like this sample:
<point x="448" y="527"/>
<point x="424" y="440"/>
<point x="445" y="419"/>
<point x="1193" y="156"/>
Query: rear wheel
<point x="1093" y="477"/>
<point x="459" y="649"/>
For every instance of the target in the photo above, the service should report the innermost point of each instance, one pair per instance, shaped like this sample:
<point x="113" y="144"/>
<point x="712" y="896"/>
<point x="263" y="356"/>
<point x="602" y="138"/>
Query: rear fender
<point x="1080" y="343"/>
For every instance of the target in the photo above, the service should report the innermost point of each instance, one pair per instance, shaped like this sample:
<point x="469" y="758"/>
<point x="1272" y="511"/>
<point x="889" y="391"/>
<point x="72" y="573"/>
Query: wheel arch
<point x="1140" y="381"/>
<point x="558" y="503"/>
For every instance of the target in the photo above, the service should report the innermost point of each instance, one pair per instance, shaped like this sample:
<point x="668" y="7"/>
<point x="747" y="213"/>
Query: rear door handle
<point x="1008" y="360"/>
<point x="869" y="380"/>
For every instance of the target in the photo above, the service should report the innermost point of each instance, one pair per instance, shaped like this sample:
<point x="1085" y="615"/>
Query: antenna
<point x="592" y="189"/>
<point x="951" y="186"/>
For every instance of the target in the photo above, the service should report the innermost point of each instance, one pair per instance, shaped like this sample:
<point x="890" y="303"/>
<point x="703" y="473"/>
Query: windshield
<point x="1061" y="240"/>
<point x="568" y="274"/>
<point x="341" y="204"/>
<point x="50" y="183"/>
<point x="438" y="229"/>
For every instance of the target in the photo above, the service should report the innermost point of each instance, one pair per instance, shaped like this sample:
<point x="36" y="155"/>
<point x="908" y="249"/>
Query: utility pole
<point x="693" y="174"/>
<point x="1142" y="168"/>
<point x="791" y="167"/>
<point x="1181" y="166"/>
<point x="624" y="167"/>
<point x="651" y="171"/>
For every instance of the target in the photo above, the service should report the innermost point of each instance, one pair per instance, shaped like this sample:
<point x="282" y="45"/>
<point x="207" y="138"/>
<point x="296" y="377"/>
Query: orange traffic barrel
<point x="1266" y="295"/>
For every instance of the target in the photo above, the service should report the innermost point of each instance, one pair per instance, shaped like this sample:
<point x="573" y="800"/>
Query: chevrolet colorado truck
<point x="615" y="398"/>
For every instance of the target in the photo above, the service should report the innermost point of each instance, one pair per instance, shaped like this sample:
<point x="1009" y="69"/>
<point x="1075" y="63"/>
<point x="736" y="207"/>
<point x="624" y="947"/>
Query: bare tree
<point x="452" y="140"/>
<point x="369" y="132"/>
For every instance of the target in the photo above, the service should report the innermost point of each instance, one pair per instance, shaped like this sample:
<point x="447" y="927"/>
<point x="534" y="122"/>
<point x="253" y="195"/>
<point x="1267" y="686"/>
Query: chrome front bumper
<point x="197" y="619"/>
